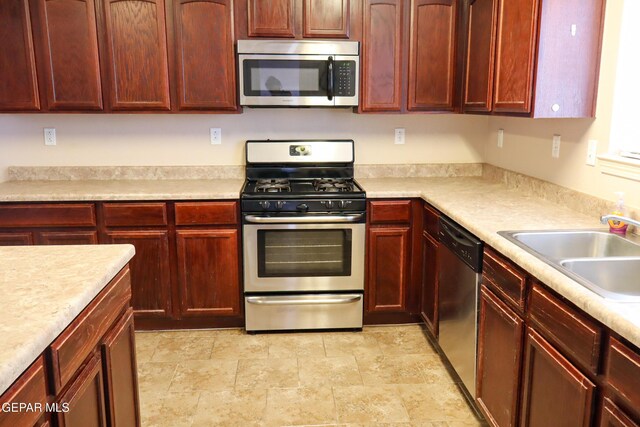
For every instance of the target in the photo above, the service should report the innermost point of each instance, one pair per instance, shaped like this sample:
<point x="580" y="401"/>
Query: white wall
<point x="527" y="143"/>
<point x="155" y="139"/>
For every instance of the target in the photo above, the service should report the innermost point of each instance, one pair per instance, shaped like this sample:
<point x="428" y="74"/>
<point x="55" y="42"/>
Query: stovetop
<point x="321" y="187"/>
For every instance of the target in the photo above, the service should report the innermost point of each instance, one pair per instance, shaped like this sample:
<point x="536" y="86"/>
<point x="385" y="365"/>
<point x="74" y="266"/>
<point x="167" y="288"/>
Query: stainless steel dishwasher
<point x="459" y="267"/>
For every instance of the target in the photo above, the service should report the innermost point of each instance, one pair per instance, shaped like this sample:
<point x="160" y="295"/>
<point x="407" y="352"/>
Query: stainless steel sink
<point x="605" y="263"/>
<point x="575" y="244"/>
<point x="612" y="278"/>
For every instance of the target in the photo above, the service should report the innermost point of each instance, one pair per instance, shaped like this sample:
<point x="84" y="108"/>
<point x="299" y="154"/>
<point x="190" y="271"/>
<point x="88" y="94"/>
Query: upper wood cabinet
<point x="298" y="18"/>
<point x="326" y="18"/>
<point x="136" y="52"/>
<point x="538" y="58"/>
<point x="420" y="77"/>
<point x="271" y="18"/>
<point x="69" y="63"/>
<point x="432" y="55"/>
<point x="204" y="35"/>
<point x="18" y="83"/>
<point x="381" y="59"/>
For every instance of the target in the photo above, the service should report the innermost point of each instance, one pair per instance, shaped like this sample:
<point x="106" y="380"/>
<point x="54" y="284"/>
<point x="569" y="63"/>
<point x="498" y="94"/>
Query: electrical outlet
<point x="500" y="138"/>
<point x="555" y="149"/>
<point x="216" y="136"/>
<point x="49" y="136"/>
<point x="399" y="136"/>
<point x="592" y="152"/>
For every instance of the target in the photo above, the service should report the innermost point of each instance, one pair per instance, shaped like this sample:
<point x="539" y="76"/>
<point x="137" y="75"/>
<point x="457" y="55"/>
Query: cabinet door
<point x="16" y="239"/>
<point x="85" y="399"/>
<point x="500" y="332"/>
<point x="208" y="271"/>
<point x="121" y="373"/>
<point x="326" y="18"/>
<point x="382" y="56"/>
<point x="515" y="55"/>
<point x="613" y="416"/>
<point x="137" y="54"/>
<point x="432" y="55"/>
<point x="69" y="45"/>
<point x="388" y="256"/>
<point x="18" y="84"/>
<point x="205" y="55"/>
<point x="271" y="18"/>
<point x="150" y="271"/>
<point x="481" y="45"/>
<point x="429" y="306"/>
<point x="554" y="391"/>
<point x="68" y="238"/>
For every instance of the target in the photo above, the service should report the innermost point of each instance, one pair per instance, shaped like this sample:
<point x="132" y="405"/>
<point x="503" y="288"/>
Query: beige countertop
<point x="43" y="289"/>
<point x="485" y="207"/>
<point x="95" y="190"/>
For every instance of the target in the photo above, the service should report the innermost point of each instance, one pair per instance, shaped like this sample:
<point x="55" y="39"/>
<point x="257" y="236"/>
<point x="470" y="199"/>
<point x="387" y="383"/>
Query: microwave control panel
<point x="345" y="78"/>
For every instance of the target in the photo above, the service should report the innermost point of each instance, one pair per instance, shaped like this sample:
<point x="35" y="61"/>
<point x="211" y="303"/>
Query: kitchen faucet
<point x="605" y="218"/>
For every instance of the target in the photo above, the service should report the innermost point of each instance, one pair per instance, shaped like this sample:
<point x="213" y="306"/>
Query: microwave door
<point x="284" y="80"/>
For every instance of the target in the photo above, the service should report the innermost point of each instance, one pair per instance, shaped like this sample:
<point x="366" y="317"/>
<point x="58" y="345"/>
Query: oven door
<point x="291" y="257"/>
<point x="298" y="80"/>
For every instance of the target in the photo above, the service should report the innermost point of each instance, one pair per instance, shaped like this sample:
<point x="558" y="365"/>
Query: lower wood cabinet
<point x="16" y="239"/>
<point x="84" y="398"/>
<point x="150" y="270"/>
<point x="429" y="302"/>
<point x="555" y="392"/>
<point x="500" y="333"/>
<point x="613" y="416"/>
<point x="208" y="272"/>
<point x="67" y="238"/>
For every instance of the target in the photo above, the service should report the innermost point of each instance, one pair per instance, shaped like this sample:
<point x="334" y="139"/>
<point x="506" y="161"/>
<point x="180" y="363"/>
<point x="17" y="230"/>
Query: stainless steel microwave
<point x="298" y="73"/>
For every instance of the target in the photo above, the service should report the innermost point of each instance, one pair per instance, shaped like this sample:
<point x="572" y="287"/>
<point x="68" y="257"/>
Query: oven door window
<point x="271" y="77"/>
<point x="304" y="253"/>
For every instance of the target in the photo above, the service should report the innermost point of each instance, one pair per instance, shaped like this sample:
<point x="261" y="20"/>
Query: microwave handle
<point x="330" y="78"/>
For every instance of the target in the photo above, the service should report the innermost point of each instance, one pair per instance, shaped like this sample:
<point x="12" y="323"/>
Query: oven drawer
<point x="318" y="311"/>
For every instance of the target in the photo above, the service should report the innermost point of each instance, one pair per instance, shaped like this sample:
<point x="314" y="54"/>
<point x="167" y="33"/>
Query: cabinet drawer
<point x="623" y="373"/>
<point x="30" y="388"/>
<point x="504" y="278"/>
<point x="430" y="219"/>
<point x="48" y="215"/>
<point x="134" y="214"/>
<point x="613" y="416"/>
<point x="390" y="211"/>
<point x="72" y="347"/>
<point x="568" y="329"/>
<point x="207" y="213"/>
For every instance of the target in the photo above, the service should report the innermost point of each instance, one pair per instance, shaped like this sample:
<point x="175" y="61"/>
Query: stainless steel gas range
<point x="303" y="236"/>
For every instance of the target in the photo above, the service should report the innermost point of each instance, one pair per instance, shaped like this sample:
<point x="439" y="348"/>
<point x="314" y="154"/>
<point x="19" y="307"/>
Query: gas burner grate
<point x="332" y="185"/>
<point x="273" y="186"/>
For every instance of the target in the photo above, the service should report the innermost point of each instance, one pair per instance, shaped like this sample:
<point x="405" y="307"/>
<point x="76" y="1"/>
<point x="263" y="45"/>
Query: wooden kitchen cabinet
<point x="381" y="60"/>
<point x="136" y="54"/>
<point x="16" y="239"/>
<point x="69" y="66"/>
<point x="500" y="349"/>
<point x="204" y="43"/>
<point x="18" y="84"/>
<point x="85" y="398"/>
<point x="31" y="387"/>
<point x="120" y="373"/>
<point x="209" y="272"/>
<point x="623" y="379"/>
<point x="536" y="58"/>
<point x="432" y="55"/>
<point x="554" y="391"/>
<point x="271" y="18"/>
<point x="429" y="285"/>
<point x="298" y="19"/>
<point x="67" y="238"/>
<point x="613" y="416"/>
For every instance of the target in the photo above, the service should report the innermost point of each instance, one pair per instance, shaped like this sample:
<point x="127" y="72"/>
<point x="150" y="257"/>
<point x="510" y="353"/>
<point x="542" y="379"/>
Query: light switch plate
<point x="500" y="138"/>
<point x="592" y="152"/>
<point x="400" y="133"/>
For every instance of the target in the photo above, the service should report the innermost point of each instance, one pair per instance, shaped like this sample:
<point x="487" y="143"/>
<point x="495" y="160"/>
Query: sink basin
<point x="613" y="278"/>
<point x="558" y="245"/>
<point x="605" y="263"/>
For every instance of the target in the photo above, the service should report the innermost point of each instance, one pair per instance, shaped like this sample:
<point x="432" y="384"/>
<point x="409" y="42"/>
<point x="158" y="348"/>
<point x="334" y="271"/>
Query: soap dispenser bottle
<point x="615" y="226"/>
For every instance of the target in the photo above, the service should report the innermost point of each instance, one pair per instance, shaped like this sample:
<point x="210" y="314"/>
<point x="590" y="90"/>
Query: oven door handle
<point x="316" y="219"/>
<point x="298" y="301"/>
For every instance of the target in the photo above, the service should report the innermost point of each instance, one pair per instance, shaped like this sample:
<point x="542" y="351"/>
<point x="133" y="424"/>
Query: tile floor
<point x="382" y="376"/>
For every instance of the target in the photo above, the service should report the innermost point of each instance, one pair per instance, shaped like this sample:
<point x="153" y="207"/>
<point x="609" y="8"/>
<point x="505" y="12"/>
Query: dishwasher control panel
<point x="462" y="243"/>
